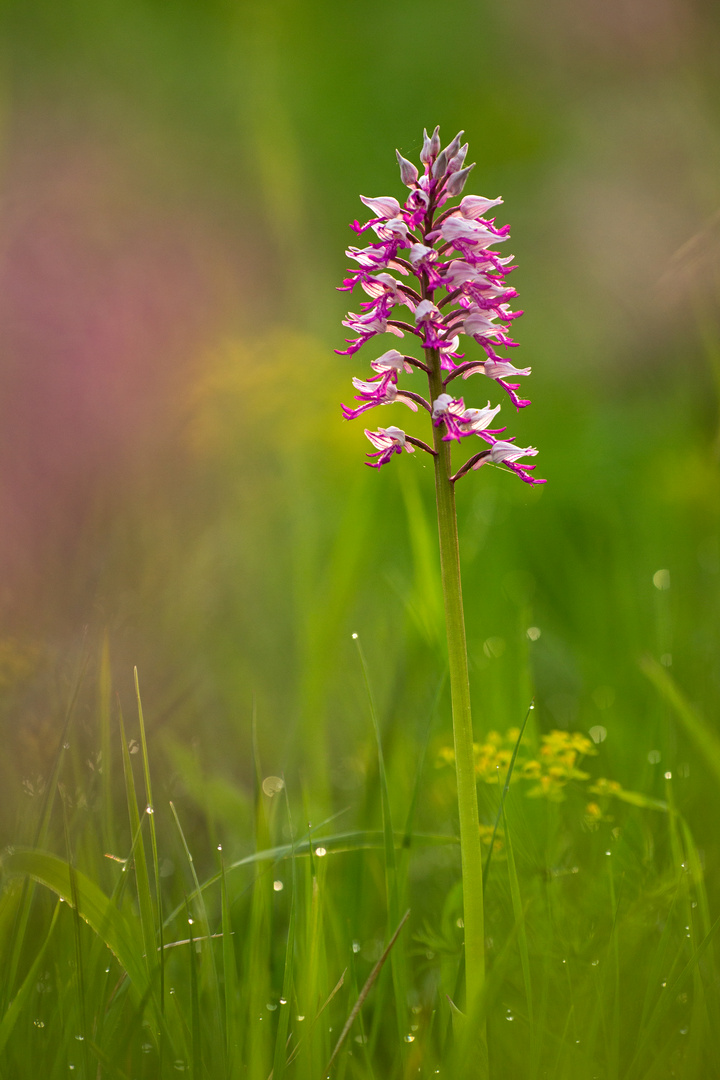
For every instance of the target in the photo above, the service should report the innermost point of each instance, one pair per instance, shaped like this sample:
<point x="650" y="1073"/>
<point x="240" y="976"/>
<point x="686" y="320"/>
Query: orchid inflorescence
<point x="445" y="250"/>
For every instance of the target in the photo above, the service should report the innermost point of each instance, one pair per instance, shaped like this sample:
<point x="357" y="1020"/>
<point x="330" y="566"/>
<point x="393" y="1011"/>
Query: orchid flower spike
<point x="436" y="260"/>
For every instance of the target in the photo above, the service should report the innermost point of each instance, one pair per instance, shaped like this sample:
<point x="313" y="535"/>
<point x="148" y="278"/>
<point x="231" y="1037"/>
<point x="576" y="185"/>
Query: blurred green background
<point x="177" y="180"/>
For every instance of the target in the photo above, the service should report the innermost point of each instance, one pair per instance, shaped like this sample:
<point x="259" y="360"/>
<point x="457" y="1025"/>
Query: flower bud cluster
<point x="437" y="261"/>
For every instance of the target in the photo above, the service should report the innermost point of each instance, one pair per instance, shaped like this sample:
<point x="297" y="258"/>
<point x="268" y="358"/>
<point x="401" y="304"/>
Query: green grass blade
<point x="519" y="913"/>
<point x="153" y="840"/>
<point x="104" y="714"/>
<point x="704" y="738"/>
<point x="27" y="987"/>
<point x="93" y="906"/>
<point x="397" y="967"/>
<point x="506" y="788"/>
<point x="232" y="1041"/>
<point x="40" y="839"/>
<point x="142" y="880"/>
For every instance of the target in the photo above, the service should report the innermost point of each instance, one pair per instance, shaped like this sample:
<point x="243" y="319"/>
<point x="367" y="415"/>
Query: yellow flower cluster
<point x="556" y="762"/>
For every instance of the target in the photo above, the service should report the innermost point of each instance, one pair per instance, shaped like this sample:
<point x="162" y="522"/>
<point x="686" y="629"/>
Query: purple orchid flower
<point x="435" y="259"/>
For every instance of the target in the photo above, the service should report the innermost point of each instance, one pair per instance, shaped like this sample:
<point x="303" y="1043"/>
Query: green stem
<point x="470" y="845"/>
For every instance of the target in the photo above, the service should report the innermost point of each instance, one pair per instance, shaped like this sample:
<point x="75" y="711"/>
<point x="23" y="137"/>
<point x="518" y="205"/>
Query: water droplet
<point x="278" y="886"/>
<point x="661" y="579"/>
<point x="146" y="1048"/>
<point x="460" y="923"/>
<point x="577" y="1042"/>
<point x="283" y="1001"/>
<point x="531" y="708"/>
<point x="683" y="1031"/>
<point x="663" y="984"/>
<point x="300" y="1019"/>
<point x="533" y="632"/>
<point x="598" y="733"/>
<point x="219" y="847"/>
<point x="510" y="1017"/>
<point x="594" y="963"/>
<point x="653" y="756"/>
<point x="668" y="776"/>
<point x="271" y="785"/>
<point x="270" y="1007"/>
<point x="179" y="1065"/>
<point x="356" y="946"/>
<point x="354" y="637"/>
<point x="191" y="921"/>
<point x="149" y="809"/>
<point x="320" y="851"/>
<point x="361" y="1039"/>
<point x="608" y="852"/>
<point x="107" y="971"/>
<point x="38" y="1023"/>
<point x="575" y="870"/>
<point x="694" y="903"/>
<point x="409" y="1038"/>
<point x="172" y="989"/>
<point x="80" y="1038"/>
<point x="70" y="1065"/>
<point x="66" y="746"/>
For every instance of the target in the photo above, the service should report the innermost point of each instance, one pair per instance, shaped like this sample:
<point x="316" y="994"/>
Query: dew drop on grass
<point x="460" y="923"/>
<point x="300" y="1019"/>
<point x="608" y="852"/>
<point x="356" y="946"/>
<point x="146" y="1048"/>
<point x="270" y="1007"/>
<point x="278" y="886"/>
<point x="409" y="1038"/>
<point x="219" y="847"/>
<point x="191" y="921"/>
<point x="80" y="1038"/>
<point x="354" y="637"/>
<point x="683" y="1031"/>
<point x="361" y="1039"/>
<point x="668" y="776"/>
<point x="320" y="851"/>
<point x="179" y="1065"/>
<point x="594" y="963"/>
<point x="653" y="757"/>
<point x="70" y="1065"/>
<point x="66" y="746"/>
<point x="283" y="1001"/>
<point x="38" y="1023"/>
<point x="149" y="809"/>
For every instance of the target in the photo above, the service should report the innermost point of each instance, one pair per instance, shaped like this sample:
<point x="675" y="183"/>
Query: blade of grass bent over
<point x="364" y="993"/>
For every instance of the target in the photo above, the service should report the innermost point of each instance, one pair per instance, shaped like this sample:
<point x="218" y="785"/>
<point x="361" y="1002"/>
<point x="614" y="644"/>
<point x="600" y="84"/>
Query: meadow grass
<point x="171" y="957"/>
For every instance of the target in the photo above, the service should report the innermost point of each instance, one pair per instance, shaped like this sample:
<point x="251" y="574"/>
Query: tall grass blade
<point x="704" y="737"/>
<point x="142" y="880"/>
<point x="506" y="788"/>
<point x="27" y="988"/>
<point x="41" y="834"/>
<point x="232" y="1042"/>
<point x="391" y="873"/>
<point x="93" y="906"/>
<point x="153" y="840"/>
<point x="364" y="993"/>
<point x="519" y="913"/>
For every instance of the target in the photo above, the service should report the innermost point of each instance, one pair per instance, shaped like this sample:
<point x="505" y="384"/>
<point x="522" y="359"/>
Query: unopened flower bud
<point x="455" y="164"/>
<point x="426" y="153"/>
<point x="438" y="169"/>
<point x="408" y="172"/>
<point x="452" y="149"/>
<point x="457" y="181"/>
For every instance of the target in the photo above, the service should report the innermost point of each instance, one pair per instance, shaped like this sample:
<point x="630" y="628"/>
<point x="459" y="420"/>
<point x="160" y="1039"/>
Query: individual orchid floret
<point x="383" y="207"/>
<point x="506" y="453"/>
<point x="474" y="206"/>
<point x="384" y="392"/>
<point x="387" y="441"/>
<point x="392" y="360"/>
